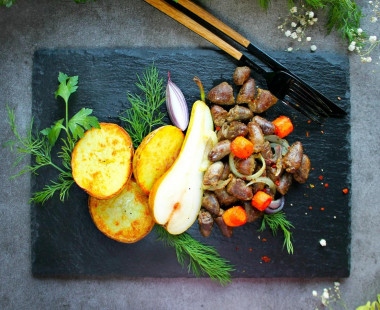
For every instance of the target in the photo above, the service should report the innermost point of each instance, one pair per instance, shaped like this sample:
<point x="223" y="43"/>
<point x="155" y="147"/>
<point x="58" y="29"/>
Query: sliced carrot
<point x="235" y="216"/>
<point x="283" y="126"/>
<point x="261" y="200"/>
<point x="241" y="147"/>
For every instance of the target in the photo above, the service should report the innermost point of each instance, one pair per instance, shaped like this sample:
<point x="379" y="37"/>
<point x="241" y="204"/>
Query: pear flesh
<point x="175" y="199"/>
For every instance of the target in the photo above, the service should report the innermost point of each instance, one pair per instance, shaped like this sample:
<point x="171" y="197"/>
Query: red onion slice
<point x="275" y="206"/>
<point x="176" y="105"/>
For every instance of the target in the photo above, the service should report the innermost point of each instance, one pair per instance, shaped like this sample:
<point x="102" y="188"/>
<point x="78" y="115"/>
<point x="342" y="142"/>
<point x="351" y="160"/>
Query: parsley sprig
<point x="39" y="145"/>
<point x="276" y="221"/>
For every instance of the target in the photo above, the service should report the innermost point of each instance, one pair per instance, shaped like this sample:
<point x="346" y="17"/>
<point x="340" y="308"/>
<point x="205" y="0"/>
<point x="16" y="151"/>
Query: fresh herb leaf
<point x="276" y="221"/>
<point x="67" y="86"/>
<point x="40" y="146"/>
<point x="145" y="114"/>
<point x="82" y="121"/>
<point x="7" y="3"/>
<point x="53" y="132"/>
<point x="202" y="259"/>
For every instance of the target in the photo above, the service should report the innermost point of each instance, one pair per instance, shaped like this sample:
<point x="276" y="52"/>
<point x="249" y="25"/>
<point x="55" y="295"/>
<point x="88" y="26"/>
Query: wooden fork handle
<point x="212" y="20"/>
<point x="194" y="26"/>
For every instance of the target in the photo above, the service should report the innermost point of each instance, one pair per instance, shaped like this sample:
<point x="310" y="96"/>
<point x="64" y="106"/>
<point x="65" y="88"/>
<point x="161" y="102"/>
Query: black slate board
<point x="65" y="242"/>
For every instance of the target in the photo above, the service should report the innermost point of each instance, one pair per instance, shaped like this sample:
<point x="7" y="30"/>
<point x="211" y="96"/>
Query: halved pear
<point x="175" y="199"/>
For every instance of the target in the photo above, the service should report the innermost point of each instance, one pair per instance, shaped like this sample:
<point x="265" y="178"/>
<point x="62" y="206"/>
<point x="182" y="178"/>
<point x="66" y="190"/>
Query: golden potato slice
<point x="125" y="217"/>
<point x="155" y="155"/>
<point x="101" y="161"/>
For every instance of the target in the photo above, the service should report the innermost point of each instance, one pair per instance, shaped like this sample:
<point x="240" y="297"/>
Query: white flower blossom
<point x="294" y="35"/>
<point x="353" y="43"/>
<point x="299" y="39"/>
<point x="308" y="39"/>
<point x="370" y="2"/>
<point x="302" y="21"/>
<point x="360" y="30"/>
<point x="372" y="39"/>
<point x="369" y="59"/>
<point x="326" y="294"/>
<point x="373" y="19"/>
<point x="293" y="24"/>
<point x="290" y="49"/>
<point x="299" y="30"/>
<point x="315" y="294"/>
<point x="351" y="48"/>
<point x="311" y="23"/>
<point x="293" y="9"/>
<point x="311" y="14"/>
<point x="313" y="48"/>
<point x="322" y="242"/>
<point x="288" y="33"/>
<point x="315" y="20"/>
<point x="337" y="284"/>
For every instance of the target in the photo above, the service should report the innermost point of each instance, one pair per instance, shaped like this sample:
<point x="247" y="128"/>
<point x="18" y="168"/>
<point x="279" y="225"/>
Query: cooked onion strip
<point x="221" y="184"/>
<point x="265" y="180"/>
<point x="247" y="177"/>
<point x="275" y="140"/>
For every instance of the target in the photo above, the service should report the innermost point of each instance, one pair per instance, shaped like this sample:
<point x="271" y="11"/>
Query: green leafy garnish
<point x="145" y="114"/>
<point x="276" y="221"/>
<point x="202" y="259"/>
<point x="371" y="306"/>
<point x="40" y="144"/>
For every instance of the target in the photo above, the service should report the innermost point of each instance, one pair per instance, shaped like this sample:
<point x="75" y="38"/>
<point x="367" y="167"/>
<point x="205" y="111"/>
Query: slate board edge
<point x="163" y="49"/>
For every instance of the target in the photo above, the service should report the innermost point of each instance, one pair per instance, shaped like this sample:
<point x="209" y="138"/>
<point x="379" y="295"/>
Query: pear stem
<point x="199" y="83"/>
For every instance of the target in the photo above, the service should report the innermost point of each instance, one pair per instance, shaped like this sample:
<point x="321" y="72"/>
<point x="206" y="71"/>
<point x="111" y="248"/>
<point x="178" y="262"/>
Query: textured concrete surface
<point x="30" y="25"/>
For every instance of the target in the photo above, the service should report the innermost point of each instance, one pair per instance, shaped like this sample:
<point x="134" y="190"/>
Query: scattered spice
<point x="339" y="98"/>
<point x="320" y="177"/>
<point x="250" y="250"/>
<point x="326" y="185"/>
<point x="266" y="259"/>
<point x="322" y="131"/>
<point x="309" y="121"/>
<point x="312" y="185"/>
<point x="217" y="128"/>
<point x="307" y="133"/>
<point x="310" y="208"/>
<point x="322" y="209"/>
<point x="264" y="240"/>
<point x="345" y="190"/>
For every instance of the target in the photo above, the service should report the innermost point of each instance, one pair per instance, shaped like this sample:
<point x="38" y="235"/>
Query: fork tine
<point x="322" y="101"/>
<point x="306" y="99"/>
<point x="304" y="103"/>
<point x="298" y="108"/>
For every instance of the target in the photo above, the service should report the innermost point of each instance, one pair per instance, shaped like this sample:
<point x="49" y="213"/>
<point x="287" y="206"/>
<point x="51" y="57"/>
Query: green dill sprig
<point x="276" y="221"/>
<point x="202" y="259"/>
<point x="39" y="145"/>
<point x="145" y="114"/>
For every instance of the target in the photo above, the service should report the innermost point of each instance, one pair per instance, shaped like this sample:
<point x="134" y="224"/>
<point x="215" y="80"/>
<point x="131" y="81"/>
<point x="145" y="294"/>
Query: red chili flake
<point x="250" y="250"/>
<point x="309" y="122"/>
<point x="217" y="128"/>
<point x="310" y="208"/>
<point x="320" y="177"/>
<point x="307" y="133"/>
<point x="345" y="190"/>
<point x="322" y="209"/>
<point x="237" y="248"/>
<point x="322" y="131"/>
<point x="264" y="240"/>
<point x="277" y="182"/>
<point x="326" y="185"/>
<point x="266" y="259"/>
<point x="312" y="168"/>
<point x="274" y="166"/>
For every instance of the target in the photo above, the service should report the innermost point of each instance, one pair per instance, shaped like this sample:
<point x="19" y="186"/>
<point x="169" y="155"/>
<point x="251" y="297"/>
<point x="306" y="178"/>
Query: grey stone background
<point x="30" y="25"/>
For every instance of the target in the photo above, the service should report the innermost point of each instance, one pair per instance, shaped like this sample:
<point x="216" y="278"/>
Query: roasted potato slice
<point x="102" y="161"/>
<point x="155" y="155"/>
<point x="125" y="217"/>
